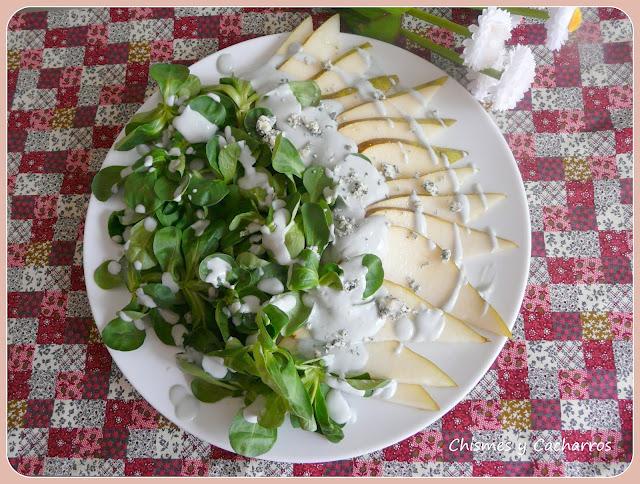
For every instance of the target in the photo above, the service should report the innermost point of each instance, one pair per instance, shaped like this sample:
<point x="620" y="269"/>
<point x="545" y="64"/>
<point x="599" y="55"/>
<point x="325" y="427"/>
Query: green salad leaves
<point x="192" y="258"/>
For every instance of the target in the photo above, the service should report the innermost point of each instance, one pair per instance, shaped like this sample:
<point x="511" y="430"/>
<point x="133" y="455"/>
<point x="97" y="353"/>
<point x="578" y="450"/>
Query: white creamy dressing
<point x="185" y="405"/>
<point x="420" y="219"/>
<point x="274" y="241"/>
<point x="386" y="392"/>
<point x="457" y="246"/>
<point x="492" y="238"/>
<point x="312" y="130"/>
<point x="145" y="299"/>
<point x="150" y="224"/>
<point x="285" y="302"/>
<point x="114" y="267"/>
<point x="486" y="285"/>
<point x="338" y="408"/>
<point x="364" y="236"/>
<point x="342" y="385"/>
<point x="218" y="270"/>
<point x="358" y="184"/>
<point x="253" y="178"/>
<point x="199" y="227"/>
<point x="455" y="293"/>
<point x="214" y="366"/>
<point x="194" y="126"/>
<point x="254" y="409"/>
<point x="271" y="285"/>
<point x="177" y="333"/>
<point x="169" y="316"/>
<point x="169" y="281"/>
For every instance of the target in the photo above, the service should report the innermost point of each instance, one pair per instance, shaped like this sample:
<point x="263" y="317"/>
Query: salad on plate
<point x="291" y="229"/>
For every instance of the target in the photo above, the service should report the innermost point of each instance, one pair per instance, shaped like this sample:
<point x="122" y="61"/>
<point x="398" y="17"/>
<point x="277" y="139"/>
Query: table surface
<point x="76" y="76"/>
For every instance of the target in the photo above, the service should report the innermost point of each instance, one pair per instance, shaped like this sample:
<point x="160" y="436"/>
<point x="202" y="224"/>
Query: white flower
<point x="516" y="79"/>
<point x="485" y="48"/>
<point x="481" y="85"/>
<point x="558" y="26"/>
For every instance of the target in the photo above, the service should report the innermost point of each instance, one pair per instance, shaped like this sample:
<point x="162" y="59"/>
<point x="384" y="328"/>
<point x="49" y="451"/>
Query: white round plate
<point x="151" y="368"/>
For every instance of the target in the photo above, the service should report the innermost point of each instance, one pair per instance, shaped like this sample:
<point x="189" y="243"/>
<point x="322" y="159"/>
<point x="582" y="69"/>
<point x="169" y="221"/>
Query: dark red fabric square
<point x="626" y="190"/>
<point x="525" y="103"/>
<point x="528" y="34"/>
<point x="77" y="36"/>
<point x="135" y="93"/>
<point x="611" y="13"/>
<point x="595" y="98"/>
<point x="67" y="97"/>
<point x="488" y="469"/>
<point x="167" y="467"/>
<point x="23" y="207"/>
<point x="33" y="162"/>
<point x="98" y="358"/>
<point x="42" y="229"/>
<point x="54" y="161"/>
<point x="113" y="444"/>
<point x="18" y="120"/>
<point x="55" y="38"/>
<point x="118" y="414"/>
<point x="51" y="330"/>
<point x="16" y="140"/>
<point x="62" y="253"/>
<point x="457" y="446"/>
<point x="76" y="330"/>
<point x="38" y="414"/>
<point x="61" y="442"/>
<point x="573" y="451"/>
<point x="597" y="120"/>
<point x="18" y="387"/>
<point x="538" y="326"/>
<point x="598" y="355"/>
<point x="104" y="136"/>
<point x="625" y="410"/>
<point x="96" y="385"/>
<point x="139" y="467"/>
<point x="458" y="418"/>
<point x="517" y="469"/>
<point x="137" y="73"/>
<point x="568" y="75"/>
<point x="528" y="169"/>
<point x="617" y="52"/>
<point x="545" y="121"/>
<point x="545" y="414"/>
<point x="464" y="16"/>
<point x="602" y="384"/>
<point x="119" y="14"/>
<point x="550" y="169"/>
<point x="561" y="270"/>
<point x="617" y="270"/>
<point x="624" y="140"/>
<point x="185" y="28"/>
<point x="209" y="26"/>
<point x="85" y="116"/>
<point x="537" y="244"/>
<point x="76" y="183"/>
<point x="583" y="217"/>
<point x="614" y="243"/>
<point x="24" y="304"/>
<point x="34" y="20"/>
<point x="514" y="384"/>
<point x="77" y="278"/>
<point x="579" y="192"/>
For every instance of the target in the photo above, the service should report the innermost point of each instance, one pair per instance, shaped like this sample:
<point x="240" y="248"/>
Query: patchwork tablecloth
<point x="76" y="76"/>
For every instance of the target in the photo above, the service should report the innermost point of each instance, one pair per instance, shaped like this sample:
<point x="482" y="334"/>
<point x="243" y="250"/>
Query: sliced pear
<point x="409" y="158"/>
<point x="351" y="96"/>
<point x="443" y="182"/>
<point x="362" y="130"/>
<point x="473" y="205"/>
<point x="407" y="103"/>
<point x="474" y="242"/>
<point x="413" y="396"/>
<point x="437" y="280"/>
<point x="455" y="331"/>
<point x="298" y="36"/>
<point x="323" y="44"/>
<point x="404" y="366"/>
<point x="351" y="65"/>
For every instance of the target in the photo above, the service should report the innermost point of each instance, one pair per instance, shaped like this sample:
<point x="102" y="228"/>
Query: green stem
<point x="440" y="22"/>
<point x="524" y="11"/>
<point x="448" y="54"/>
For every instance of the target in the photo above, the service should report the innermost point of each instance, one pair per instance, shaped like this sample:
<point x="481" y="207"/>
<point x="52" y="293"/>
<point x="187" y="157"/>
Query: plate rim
<point x="397" y="437"/>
